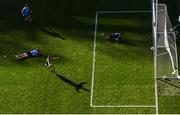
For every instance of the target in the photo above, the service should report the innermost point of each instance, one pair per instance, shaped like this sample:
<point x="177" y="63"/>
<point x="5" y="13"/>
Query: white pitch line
<point x="94" y="61"/>
<point x="167" y="77"/>
<point x="156" y="95"/>
<point x="124" y="106"/>
<point x="109" y="12"/>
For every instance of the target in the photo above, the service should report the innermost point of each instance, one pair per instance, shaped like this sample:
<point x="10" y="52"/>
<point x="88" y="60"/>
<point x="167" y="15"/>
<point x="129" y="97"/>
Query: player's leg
<point x="29" y="19"/>
<point x="117" y="39"/>
<point x="25" y="19"/>
<point x="104" y="36"/>
<point x="22" y="56"/>
<point x="49" y="61"/>
<point x="49" y="64"/>
<point x="25" y="55"/>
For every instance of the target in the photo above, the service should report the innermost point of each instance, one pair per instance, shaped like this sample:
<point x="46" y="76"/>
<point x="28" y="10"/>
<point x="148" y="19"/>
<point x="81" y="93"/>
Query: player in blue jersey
<point x="32" y="53"/>
<point x="36" y="53"/>
<point x="26" y="11"/>
<point x="115" y="36"/>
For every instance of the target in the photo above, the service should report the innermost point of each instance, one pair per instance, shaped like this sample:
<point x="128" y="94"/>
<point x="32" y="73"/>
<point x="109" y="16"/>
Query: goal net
<point x="165" y="49"/>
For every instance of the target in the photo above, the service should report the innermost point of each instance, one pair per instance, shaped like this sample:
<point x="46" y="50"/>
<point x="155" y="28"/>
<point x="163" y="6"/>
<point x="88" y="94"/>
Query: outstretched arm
<point x="55" y="58"/>
<point x="22" y="11"/>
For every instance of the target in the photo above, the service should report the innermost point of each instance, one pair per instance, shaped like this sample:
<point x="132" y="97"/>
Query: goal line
<point x="114" y="12"/>
<point x="124" y="106"/>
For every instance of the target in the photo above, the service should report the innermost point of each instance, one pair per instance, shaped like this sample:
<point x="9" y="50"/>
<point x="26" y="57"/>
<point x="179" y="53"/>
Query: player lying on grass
<point x="34" y="53"/>
<point x="116" y="36"/>
<point x="26" y="11"/>
<point x="29" y="54"/>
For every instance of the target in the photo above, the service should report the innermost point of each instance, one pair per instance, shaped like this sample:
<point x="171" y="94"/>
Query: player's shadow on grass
<point x="166" y="81"/>
<point x="124" y="42"/>
<point x="76" y="86"/>
<point x="51" y="32"/>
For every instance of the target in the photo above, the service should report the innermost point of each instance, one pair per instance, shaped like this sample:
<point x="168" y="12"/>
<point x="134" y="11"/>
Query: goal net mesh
<point x="166" y="50"/>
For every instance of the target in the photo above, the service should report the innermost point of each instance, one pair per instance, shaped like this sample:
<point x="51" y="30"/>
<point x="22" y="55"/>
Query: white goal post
<point x="165" y="48"/>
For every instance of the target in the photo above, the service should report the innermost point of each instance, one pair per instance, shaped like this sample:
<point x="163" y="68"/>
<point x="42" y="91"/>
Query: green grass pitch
<point x="123" y="71"/>
<point x="121" y="76"/>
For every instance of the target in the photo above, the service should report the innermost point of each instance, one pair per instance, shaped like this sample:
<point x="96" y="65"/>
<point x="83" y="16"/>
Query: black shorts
<point x="29" y="54"/>
<point x="26" y="15"/>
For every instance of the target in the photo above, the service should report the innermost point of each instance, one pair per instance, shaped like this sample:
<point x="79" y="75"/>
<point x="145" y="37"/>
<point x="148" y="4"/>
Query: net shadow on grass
<point x="166" y="81"/>
<point x="113" y="51"/>
<point x="121" y="41"/>
<point x="51" y="32"/>
<point x="124" y="42"/>
<point x="168" y="87"/>
<point x="73" y="84"/>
